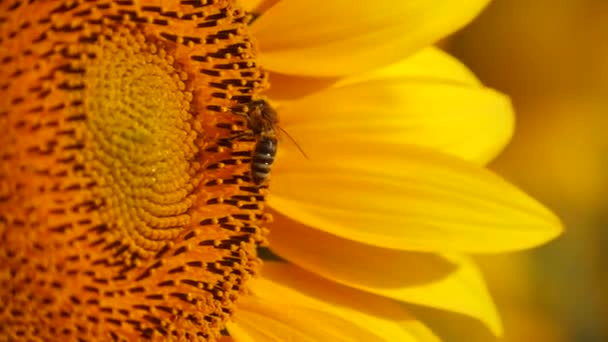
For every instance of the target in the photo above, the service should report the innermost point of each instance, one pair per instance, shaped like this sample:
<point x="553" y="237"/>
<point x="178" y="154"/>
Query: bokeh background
<point x="551" y="57"/>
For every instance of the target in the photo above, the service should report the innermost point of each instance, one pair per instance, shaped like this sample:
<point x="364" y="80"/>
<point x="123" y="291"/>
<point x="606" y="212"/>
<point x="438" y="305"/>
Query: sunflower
<point x="127" y="209"/>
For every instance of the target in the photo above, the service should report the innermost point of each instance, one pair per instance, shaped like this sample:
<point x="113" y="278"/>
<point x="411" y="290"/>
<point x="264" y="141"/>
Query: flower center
<point x="126" y="208"/>
<point x="143" y="143"/>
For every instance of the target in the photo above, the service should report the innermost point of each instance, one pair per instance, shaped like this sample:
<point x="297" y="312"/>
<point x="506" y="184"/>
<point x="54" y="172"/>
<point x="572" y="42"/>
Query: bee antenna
<point x="294" y="141"/>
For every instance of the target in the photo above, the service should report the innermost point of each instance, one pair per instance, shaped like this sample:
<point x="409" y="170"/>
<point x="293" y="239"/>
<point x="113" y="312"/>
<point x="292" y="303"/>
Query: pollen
<point x="127" y="210"/>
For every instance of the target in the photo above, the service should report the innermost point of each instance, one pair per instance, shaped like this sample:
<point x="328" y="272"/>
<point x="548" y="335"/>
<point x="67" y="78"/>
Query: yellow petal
<point x="451" y="284"/>
<point x="264" y="321"/>
<point x="340" y="37"/>
<point x="467" y="121"/>
<point x="290" y="87"/>
<point x="225" y="339"/>
<point x="430" y="64"/>
<point x="257" y="6"/>
<point x="411" y="199"/>
<point x="291" y="304"/>
<point x="239" y="334"/>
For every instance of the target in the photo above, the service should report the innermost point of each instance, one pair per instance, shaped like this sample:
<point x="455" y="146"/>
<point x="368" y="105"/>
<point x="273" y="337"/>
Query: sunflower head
<point x="136" y="147"/>
<point x="126" y="206"/>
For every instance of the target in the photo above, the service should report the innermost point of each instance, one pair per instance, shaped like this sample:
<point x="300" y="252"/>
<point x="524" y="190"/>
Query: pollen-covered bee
<point x="263" y="121"/>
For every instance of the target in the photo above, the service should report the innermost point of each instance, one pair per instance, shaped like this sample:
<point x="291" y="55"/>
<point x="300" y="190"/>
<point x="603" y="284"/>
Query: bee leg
<point x="240" y="135"/>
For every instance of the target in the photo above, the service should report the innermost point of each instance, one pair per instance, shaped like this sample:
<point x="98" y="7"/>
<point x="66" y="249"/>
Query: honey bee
<point x="263" y="121"/>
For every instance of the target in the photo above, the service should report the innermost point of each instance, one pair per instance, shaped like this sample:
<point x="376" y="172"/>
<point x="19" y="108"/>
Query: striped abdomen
<point x="263" y="157"/>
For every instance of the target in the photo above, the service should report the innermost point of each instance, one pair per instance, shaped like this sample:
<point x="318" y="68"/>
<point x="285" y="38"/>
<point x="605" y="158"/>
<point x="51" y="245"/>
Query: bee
<point x="263" y="121"/>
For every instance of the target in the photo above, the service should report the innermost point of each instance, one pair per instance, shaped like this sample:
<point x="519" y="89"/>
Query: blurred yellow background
<point x="551" y="57"/>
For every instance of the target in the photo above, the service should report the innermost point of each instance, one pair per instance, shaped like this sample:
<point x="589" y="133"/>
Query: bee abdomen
<point x="263" y="157"/>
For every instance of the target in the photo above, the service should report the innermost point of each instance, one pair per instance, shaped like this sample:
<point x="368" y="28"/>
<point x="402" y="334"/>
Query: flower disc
<point x="126" y="208"/>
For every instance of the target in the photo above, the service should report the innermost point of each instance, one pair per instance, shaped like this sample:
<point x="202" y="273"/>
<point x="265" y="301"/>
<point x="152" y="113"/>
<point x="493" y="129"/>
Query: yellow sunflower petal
<point x="292" y="304"/>
<point x="431" y="64"/>
<point x="257" y="6"/>
<point x="290" y="87"/>
<point x="340" y="37"/>
<point x="239" y="334"/>
<point x="263" y="321"/>
<point x="409" y="198"/>
<point x="470" y="122"/>
<point x="451" y="284"/>
<point x="225" y="339"/>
